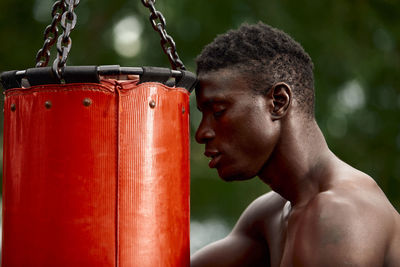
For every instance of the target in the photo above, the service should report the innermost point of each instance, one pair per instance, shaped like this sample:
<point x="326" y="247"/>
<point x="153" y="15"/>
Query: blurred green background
<point x="355" y="46"/>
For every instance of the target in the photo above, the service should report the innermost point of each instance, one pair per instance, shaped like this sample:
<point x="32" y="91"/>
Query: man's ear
<point x="281" y="95"/>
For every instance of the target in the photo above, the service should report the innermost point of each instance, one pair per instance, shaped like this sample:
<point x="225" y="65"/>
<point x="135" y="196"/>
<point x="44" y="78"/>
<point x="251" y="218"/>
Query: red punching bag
<point x="95" y="174"/>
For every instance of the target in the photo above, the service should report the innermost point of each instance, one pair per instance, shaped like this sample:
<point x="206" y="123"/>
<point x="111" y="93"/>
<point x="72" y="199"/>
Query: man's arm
<point x="245" y="245"/>
<point x="236" y="249"/>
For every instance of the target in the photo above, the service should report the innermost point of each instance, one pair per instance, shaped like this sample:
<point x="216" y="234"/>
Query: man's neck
<point x="299" y="167"/>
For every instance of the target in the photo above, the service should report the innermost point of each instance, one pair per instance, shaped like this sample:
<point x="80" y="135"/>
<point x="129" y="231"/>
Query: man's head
<point x="264" y="56"/>
<point x="249" y="80"/>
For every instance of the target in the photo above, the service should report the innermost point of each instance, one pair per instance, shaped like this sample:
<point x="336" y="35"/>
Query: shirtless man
<point x="256" y="96"/>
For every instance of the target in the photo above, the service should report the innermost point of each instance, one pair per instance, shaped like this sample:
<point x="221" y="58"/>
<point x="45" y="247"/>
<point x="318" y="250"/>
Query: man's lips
<point x="215" y="157"/>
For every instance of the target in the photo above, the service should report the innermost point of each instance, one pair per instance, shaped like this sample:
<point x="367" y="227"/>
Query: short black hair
<point x="265" y="55"/>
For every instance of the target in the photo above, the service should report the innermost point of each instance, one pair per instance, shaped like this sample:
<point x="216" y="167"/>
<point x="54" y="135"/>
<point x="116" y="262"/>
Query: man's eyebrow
<point x="206" y="104"/>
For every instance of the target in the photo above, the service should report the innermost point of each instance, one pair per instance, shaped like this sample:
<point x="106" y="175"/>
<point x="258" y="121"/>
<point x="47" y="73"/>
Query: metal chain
<point x="63" y="11"/>
<point x="64" y="42"/>
<point x="50" y="34"/>
<point x="167" y="43"/>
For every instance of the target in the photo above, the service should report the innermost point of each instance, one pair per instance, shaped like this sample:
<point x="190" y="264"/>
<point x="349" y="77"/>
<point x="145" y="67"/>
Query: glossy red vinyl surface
<point x="96" y="175"/>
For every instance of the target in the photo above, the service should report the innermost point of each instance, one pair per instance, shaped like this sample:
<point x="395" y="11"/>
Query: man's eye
<point x="218" y="113"/>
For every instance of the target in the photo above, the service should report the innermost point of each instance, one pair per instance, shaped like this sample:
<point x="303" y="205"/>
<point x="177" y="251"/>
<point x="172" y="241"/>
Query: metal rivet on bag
<point x="13" y="107"/>
<point x="152" y="103"/>
<point x="87" y="102"/>
<point x="48" y="104"/>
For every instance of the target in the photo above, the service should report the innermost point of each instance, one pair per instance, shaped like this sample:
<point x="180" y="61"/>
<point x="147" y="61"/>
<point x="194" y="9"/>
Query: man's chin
<point x="230" y="176"/>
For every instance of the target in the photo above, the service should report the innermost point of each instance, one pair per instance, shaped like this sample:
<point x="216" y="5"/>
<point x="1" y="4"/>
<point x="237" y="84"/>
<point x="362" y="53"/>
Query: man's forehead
<point x="215" y="90"/>
<point x="221" y="82"/>
<point x="209" y="92"/>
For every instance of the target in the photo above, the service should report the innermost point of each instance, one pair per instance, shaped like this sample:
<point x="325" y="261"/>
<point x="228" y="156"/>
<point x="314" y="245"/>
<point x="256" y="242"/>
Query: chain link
<point x="64" y="42"/>
<point x="158" y="23"/>
<point x="50" y="34"/>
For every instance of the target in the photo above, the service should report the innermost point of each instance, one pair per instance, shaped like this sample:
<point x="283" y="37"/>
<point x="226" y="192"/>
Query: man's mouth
<point x="215" y="157"/>
<point x="214" y="161"/>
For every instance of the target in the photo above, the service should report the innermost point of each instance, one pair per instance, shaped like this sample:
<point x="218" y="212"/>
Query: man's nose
<point x="204" y="132"/>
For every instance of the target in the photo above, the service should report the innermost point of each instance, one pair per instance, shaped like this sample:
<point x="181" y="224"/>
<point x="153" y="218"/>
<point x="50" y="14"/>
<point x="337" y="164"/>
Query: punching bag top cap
<point x="91" y="74"/>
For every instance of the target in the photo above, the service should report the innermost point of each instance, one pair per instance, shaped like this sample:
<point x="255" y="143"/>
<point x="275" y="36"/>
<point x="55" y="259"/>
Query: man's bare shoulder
<point x="245" y="245"/>
<point x="260" y="214"/>
<point x="355" y="193"/>
<point x="352" y="223"/>
<point x="269" y="203"/>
